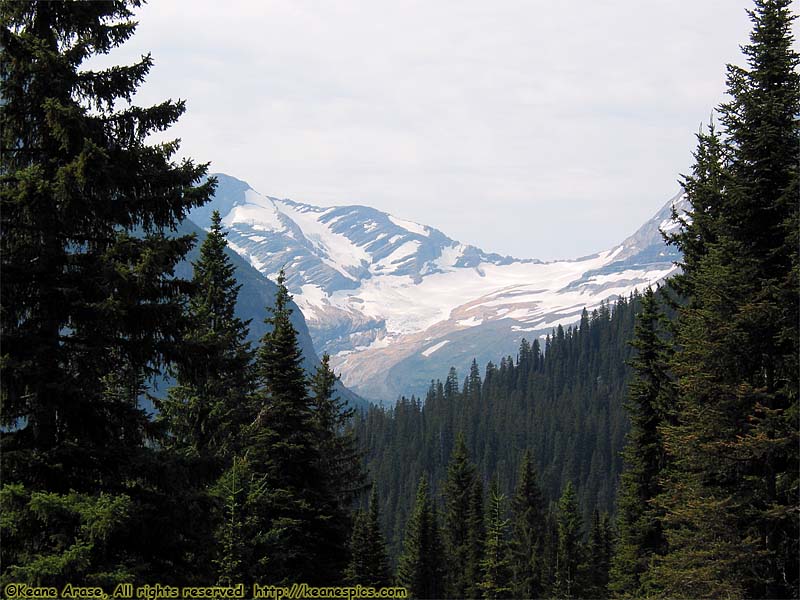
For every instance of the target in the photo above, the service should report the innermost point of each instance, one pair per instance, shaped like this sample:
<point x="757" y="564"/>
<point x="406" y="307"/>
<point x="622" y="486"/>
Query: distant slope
<point x="256" y="294"/>
<point x="396" y="303"/>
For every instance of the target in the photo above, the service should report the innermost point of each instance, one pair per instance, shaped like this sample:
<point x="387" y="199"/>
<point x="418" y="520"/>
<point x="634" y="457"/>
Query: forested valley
<point x="650" y="450"/>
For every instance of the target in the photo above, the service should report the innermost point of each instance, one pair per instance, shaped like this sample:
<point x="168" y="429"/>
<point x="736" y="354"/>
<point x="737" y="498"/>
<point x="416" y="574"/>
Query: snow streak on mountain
<point x="397" y="303"/>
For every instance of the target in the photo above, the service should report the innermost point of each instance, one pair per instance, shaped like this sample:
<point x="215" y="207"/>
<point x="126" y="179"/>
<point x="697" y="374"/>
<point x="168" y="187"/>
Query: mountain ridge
<point x="396" y="303"/>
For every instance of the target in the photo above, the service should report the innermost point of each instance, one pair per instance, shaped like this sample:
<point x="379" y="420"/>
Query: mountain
<point x="397" y="303"/>
<point x="257" y="292"/>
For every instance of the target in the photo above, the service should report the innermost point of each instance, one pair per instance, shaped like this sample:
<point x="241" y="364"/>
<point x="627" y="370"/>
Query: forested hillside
<point x="562" y="399"/>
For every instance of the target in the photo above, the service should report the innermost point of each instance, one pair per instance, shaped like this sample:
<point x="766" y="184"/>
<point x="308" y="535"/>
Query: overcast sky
<point x="538" y="128"/>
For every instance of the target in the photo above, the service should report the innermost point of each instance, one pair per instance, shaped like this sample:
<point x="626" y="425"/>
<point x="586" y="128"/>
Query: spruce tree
<point x="640" y="535"/>
<point x="369" y="565"/>
<point x="90" y="306"/>
<point x="528" y="532"/>
<point x="732" y="480"/>
<point x="457" y="496"/>
<point x="598" y="557"/>
<point x="476" y="539"/>
<point x="497" y="572"/>
<point x="570" y="550"/>
<point x="86" y="259"/>
<point x="207" y="407"/>
<point x="295" y="528"/>
<point x="421" y="565"/>
<point x="338" y="446"/>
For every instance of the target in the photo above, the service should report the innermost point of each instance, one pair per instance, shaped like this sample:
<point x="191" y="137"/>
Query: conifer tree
<point x="207" y="407"/>
<point x="295" y="529"/>
<point x="90" y="307"/>
<point x="528" y="529"/>
<point x="86" y="259"/>
<point x="239" y="489"/>
<point x="338" y="446"/>
<point x="369" y="565"/>
<point x="640" y="535"/>
<point x="733" y="472"/>
<point x="457" y="496"/>
<point x="476" y="540"/>
<point x="421" y="566"/>
<point x="570" y="551"/>
<point x="598" y="557"/>
<point x="497" y="572"/>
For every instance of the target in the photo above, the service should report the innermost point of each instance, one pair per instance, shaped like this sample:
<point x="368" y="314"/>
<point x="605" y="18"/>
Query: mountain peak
<point x="396" y="301"/>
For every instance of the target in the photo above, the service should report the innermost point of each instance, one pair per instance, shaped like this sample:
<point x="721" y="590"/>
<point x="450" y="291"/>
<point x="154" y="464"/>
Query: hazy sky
<point x="538" y="128"/>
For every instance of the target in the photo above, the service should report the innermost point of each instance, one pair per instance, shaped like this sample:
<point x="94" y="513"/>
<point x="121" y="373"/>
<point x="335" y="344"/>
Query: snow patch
<point x="471" y="322"/>
<point x="337" y="250"/>
<point x="434" y="348"/>
<point x="259" y="212"/>
<point x="410" y="226"/>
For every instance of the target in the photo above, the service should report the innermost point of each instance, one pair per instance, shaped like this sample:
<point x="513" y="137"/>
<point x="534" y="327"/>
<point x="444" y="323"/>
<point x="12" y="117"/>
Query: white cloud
<point x="535" y="128"/>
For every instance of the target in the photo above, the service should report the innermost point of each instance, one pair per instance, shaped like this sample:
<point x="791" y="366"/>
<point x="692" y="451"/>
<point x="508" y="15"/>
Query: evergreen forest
<point x="651" y="450"/>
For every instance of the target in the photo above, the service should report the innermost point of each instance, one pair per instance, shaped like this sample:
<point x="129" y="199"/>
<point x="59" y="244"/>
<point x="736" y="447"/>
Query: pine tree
<point x="732" y="480"/>
<point x="570" y="551"/>
<point x="640" y="535"/>
<point x="497" y="572"/>
<point x="338" y="446"/>
<point x="421" y="566"/>
<point x="476" y="540"/>
<point x="457" y="489"/>
<point x="528" y="528"/>
<point x="239" y="489"/>
<point x="208" y="405"/>
<point x="295" y="528"/>
<point x="90" y="307"/>
<point x="82" y="295"/>
<point x="598" y="556"/>
<point x="369" y="565"/>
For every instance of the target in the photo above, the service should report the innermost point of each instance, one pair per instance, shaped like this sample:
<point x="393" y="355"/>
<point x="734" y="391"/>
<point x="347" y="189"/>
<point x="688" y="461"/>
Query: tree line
<point x="561" y="400"/>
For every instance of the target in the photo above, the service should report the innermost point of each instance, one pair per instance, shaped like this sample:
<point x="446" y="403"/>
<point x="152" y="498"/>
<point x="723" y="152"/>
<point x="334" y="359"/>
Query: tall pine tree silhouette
<point x="528" y="533"/>
<point x="207" y="407"/>
<point x="457" y="489"/>
<point x="90" y="306"/>
<point x="421" y="567"/>
<point x="294" y="525"/>
<point x="640" y="534"/>
<point x="730" y="498"/>
<point x="497" y="573"/>
<point x="369" y="565"/>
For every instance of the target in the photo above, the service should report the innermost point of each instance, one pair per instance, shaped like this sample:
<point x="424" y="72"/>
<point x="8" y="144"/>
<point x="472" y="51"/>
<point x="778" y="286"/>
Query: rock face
<point x="396" y="303"/>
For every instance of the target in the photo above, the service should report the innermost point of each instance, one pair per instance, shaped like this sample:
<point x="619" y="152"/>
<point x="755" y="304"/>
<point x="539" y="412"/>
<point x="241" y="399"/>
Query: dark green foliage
<point x="51" y="538"/>
<point x="207" y="407"/>
<point x="598" y="557"/>
<point x="570" y="549"/>
<point x="731" y="485"/>
<point x="240" y="490"/>
<point x="529" y="533"/>
<point x="295" y="527"/>
<point x="565" y="406"/>
<point x="369" y="564"/>
<point x="457" y="493"/>
<point x="421" y="565"/>
<point x="476" y="541"/>
<point x="86" y="286"/>
<point x="497" y="572"/>
<point x="640" y="535"/>
<point x="90" y="307"/>
<point x="339" y="453"/>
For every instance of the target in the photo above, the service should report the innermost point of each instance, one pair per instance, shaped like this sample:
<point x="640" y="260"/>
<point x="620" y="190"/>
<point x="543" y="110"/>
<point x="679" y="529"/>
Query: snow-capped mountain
<point x="397" y="303"/>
